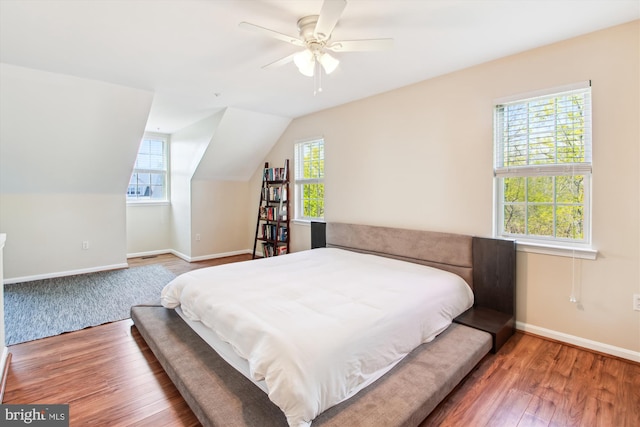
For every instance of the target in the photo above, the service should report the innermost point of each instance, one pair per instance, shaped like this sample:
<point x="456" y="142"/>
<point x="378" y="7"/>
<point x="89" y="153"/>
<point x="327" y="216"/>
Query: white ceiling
<point x="197" y="60"/>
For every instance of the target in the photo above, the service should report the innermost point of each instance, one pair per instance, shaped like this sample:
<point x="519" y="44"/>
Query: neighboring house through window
<point x="309" y="180"/>
<point x="148" y="181"/>
<point x="543" y="167"/>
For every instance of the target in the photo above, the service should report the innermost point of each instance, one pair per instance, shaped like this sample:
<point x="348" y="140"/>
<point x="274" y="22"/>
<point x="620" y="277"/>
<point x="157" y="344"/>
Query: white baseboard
<point x="149" y="253"/>
<point x="4" y="358"/>
<point x="65" y="273"/>
<point x="124" y="265"/>
<point x="187" y="257"/>
<point x="580" y="342"/>
<point x="210" y="256"/>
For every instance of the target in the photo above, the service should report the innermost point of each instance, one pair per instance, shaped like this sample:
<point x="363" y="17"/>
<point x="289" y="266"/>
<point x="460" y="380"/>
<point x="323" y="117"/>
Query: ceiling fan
<point x="315" y="39"/>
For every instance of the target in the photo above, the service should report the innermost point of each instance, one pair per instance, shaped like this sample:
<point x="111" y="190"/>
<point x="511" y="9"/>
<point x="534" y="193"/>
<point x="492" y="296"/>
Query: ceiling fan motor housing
<point x="307" y="27"/>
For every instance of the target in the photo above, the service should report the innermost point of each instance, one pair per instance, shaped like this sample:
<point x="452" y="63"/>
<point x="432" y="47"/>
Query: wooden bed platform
<point x="221" y="396"/>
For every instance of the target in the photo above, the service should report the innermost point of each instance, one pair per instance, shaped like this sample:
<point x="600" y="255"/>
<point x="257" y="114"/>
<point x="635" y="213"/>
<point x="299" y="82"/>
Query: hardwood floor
<point x="109" y="377"/>
<point x="179" y="266"/>
<point x="536" y="382"/>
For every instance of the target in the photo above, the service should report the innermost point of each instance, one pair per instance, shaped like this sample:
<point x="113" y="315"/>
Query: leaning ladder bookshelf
<point x="272" y="226"/>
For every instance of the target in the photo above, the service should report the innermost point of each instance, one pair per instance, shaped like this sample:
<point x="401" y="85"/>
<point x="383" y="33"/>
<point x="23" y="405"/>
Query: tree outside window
<point x="543" y="167"/>
<point x="309" y="179"/>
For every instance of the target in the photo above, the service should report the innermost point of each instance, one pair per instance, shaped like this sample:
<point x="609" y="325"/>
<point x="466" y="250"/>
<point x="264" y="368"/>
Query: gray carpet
<point x="49" y="307"/>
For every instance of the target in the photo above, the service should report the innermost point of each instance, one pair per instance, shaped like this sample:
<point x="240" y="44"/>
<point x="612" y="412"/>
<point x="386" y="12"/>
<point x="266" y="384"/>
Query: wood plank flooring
<point x="109" y="377"/>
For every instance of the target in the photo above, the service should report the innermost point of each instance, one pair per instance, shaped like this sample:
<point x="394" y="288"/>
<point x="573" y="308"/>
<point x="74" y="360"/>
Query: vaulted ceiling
<point x="197" y="61"/>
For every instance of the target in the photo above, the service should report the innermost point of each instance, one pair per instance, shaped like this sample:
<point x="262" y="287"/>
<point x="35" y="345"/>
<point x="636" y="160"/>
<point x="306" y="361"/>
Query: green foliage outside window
<point x="313" y="200"/>
<point x="545" y="206"/>
<point x="542" y="142"/>
<point x="310" y="178"/>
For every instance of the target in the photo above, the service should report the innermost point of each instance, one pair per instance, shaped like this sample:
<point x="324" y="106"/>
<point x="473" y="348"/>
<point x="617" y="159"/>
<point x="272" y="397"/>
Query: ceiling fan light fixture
<point x="329" y="63"/>
<point x="315" y="36"/>
<point x="305" y="61"/>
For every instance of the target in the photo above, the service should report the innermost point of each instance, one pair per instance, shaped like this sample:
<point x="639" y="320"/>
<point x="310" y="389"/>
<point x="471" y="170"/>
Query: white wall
<point x="148" y="229"/>
<point x="241" y="140"/>
<point x="421" y="157"/>
<point x="67" y="148"/>
<point x="3" y="348"/>
<point x="187" y="148"/>
<point x="211" y="162"/>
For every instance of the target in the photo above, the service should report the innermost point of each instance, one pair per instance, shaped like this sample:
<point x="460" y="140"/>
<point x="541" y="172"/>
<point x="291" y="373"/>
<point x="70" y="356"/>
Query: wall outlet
<point x="85" y="245"/>
<point x="197" y="237"/>
<point x="636" y="302"/>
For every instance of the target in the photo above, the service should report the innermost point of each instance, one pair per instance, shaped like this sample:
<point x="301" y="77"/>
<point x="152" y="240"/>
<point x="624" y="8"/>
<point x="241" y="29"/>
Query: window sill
<point x="557" y="250"/>
<point x="158" y="203"/>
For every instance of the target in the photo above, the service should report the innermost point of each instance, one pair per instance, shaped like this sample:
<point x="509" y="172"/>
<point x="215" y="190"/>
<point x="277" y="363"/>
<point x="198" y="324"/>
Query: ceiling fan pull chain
<point x="317" y="77"/>
<point x="319" y="72"/>
<point x="315" y="81"/>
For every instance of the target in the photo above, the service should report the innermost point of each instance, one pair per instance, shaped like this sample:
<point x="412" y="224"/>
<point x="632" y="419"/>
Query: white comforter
<point x="318" y="326"/>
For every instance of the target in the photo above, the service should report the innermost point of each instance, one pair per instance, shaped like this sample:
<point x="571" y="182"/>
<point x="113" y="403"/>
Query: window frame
<point x="534" y="243"/>
<point x="300" y="182"/>
<point x="165" y="138"/>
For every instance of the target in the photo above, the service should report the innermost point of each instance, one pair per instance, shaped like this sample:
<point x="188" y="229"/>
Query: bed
<point x="409" y="376"/>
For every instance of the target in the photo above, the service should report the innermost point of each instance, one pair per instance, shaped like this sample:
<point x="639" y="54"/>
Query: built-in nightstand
<point x="494" y="289"/>
<point x="499" y="325"/>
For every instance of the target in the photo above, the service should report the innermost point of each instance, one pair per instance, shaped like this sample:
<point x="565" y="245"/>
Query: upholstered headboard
<point x="487" y="265"/>
<point x="446" y="251"/>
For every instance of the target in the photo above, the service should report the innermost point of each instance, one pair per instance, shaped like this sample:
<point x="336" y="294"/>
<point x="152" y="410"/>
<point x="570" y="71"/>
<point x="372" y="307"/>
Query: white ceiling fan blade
<point x="361" y="45"/>
<point x="329" y="15"/>
<point x="281" y="61"/>
<point x="274" y="34"/>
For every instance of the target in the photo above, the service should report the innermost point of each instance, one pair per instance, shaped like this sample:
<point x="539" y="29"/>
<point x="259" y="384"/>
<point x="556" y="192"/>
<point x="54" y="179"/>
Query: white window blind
<point x="543" y="150"/>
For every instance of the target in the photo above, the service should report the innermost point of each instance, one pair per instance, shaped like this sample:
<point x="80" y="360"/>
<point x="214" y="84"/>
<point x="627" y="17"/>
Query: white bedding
<point x="318" y="326"/>
<point x="223" y="349"/>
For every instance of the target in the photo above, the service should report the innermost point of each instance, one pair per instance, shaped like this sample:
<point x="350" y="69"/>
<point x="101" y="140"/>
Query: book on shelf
<point x="270" y="213"/>
<point x="275" y="174"/>
<point x="269" y="232"/>
<point x="268" y="249"/>
<point x="282" y="234"/>
<point x="274" y="194"/>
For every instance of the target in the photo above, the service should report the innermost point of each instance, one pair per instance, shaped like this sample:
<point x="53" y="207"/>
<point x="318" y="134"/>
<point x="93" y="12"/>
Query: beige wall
<point x="218" y="217"/>
<point x="421" y="157"/>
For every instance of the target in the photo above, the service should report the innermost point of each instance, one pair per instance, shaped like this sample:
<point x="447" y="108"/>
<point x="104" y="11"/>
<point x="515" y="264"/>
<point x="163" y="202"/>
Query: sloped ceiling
<point x="197" y="61"/>
<point x="64" y="134"/>
<point x="240" y="142"/>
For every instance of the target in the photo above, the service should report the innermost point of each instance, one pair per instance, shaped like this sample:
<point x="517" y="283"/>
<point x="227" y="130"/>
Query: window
<point x="148" y="181"/>
<point x="309" y="179"/>
<point x="543" y="167"/>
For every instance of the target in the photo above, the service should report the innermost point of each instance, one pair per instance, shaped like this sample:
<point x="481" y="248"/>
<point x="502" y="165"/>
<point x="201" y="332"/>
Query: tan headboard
<point x="446" y="251"/>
